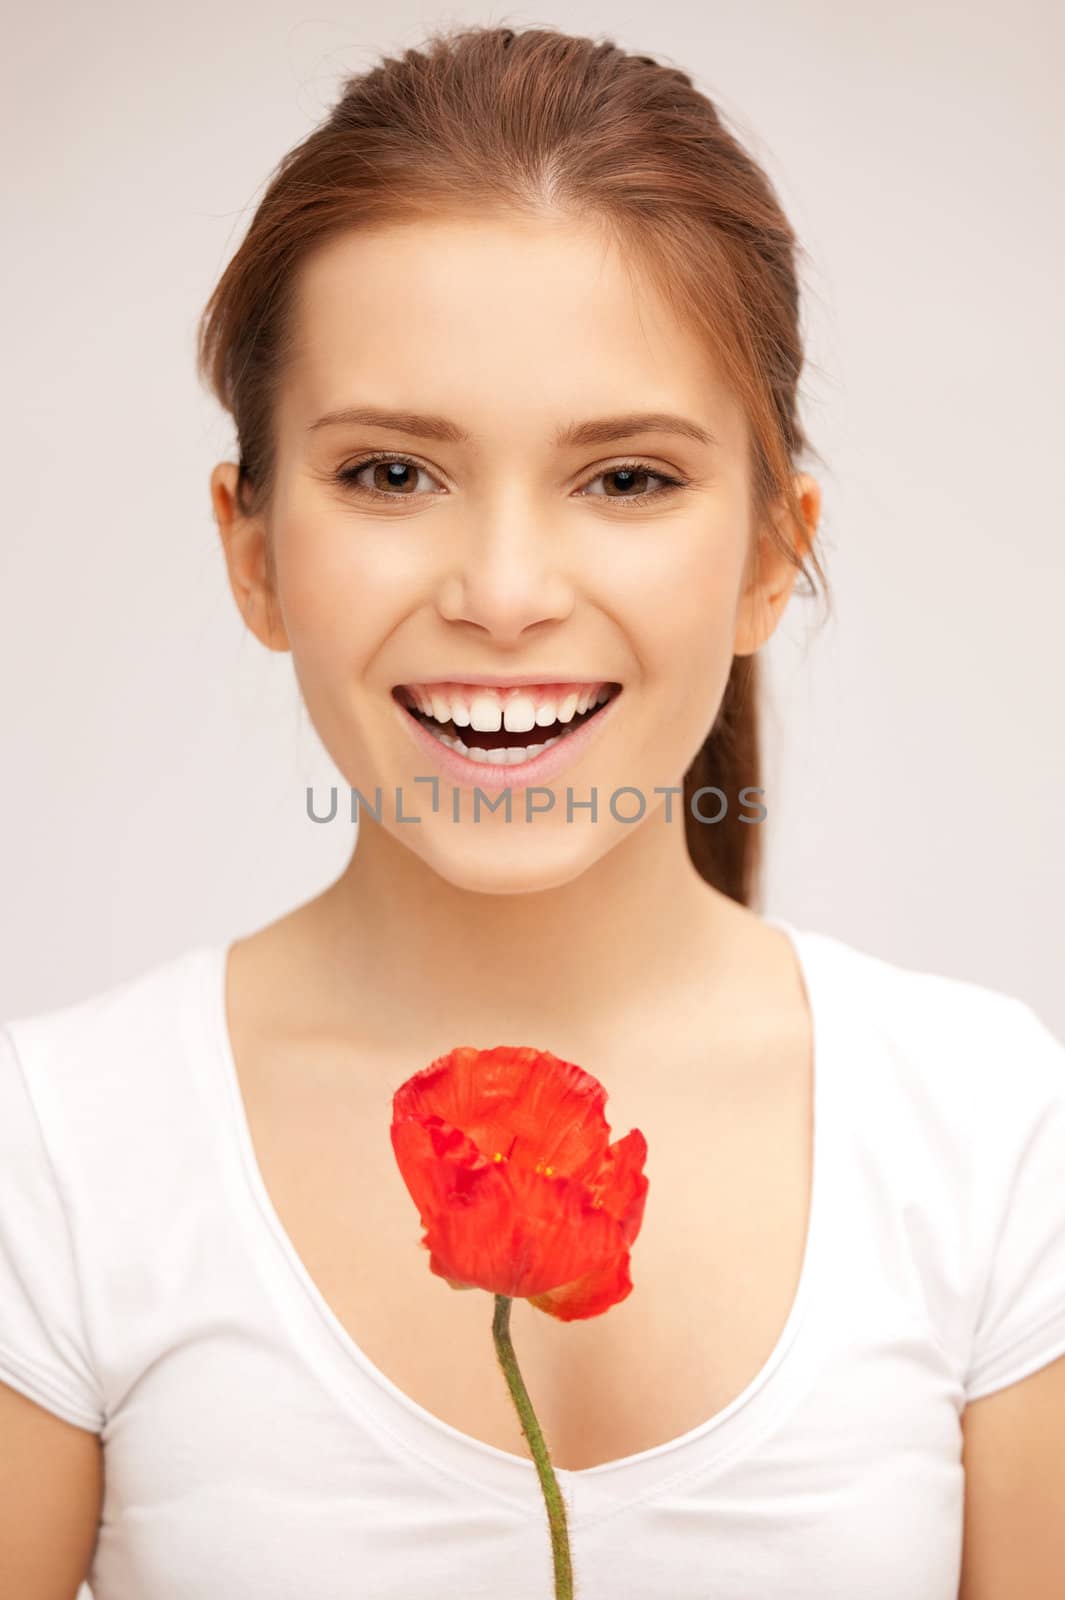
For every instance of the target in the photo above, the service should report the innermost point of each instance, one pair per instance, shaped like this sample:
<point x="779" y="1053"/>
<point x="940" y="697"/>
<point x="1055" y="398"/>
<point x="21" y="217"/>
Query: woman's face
<point x="505" y="544"/>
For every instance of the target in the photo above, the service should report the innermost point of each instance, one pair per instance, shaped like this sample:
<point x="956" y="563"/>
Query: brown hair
<point x="538" y="122"/>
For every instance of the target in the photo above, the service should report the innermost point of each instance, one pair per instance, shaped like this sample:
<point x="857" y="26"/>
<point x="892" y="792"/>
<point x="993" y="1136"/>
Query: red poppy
<point x="507" y="1155"/>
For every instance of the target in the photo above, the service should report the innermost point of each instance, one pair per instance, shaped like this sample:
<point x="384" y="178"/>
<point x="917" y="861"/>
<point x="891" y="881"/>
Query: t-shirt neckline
<point x="345" y="1367"/>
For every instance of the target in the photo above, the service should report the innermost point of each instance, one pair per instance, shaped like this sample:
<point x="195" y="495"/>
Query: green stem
<point x="556" y="1509"/>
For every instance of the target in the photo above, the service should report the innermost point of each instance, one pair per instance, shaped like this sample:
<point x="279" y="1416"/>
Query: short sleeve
<point x="1021" y="1325"/>
<point x="43" y="1347"/>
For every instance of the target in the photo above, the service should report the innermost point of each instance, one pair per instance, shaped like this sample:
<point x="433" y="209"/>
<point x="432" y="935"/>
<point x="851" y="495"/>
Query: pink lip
<point x="548" y="764"/>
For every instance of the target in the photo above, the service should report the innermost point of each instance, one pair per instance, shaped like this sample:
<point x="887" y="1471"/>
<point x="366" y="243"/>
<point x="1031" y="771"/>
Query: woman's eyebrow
<point x="598" y="430"/>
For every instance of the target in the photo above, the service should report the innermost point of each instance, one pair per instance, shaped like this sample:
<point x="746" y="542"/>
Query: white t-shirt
<point x="149" y="1292"/>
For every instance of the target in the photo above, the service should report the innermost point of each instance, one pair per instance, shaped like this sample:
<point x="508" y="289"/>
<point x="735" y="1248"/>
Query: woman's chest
<point x="715" y="1267"/>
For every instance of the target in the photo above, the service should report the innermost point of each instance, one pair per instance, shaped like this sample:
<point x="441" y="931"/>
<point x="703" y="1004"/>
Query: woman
<point x="512" y="351"/>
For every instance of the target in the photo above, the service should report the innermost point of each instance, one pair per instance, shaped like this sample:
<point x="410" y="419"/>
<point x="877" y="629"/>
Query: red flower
<point x="506" y="1154"/>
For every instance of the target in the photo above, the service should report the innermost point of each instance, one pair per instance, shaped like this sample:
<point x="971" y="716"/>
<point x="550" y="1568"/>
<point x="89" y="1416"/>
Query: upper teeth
<point x="489" y="710"/>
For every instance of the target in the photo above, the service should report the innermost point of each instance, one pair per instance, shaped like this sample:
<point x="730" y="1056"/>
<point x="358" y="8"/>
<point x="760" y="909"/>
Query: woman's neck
<point x="637" y="929"/>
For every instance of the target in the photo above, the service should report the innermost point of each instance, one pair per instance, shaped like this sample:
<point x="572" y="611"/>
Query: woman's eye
<point x="392" y="477"/>
<point x="630" y="474"/>
<point x="396" y="478"/>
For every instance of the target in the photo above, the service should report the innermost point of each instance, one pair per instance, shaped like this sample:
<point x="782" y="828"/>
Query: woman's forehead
<point x="483" y="309"/>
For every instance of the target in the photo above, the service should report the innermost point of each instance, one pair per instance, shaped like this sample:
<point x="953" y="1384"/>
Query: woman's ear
<point x="244" y="543"/>
<point x="771" y="574"/>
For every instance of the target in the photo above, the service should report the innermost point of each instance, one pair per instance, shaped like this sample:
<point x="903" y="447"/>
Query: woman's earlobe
<point x="763" y="603"/>
<point x="775" y="567"/>
<point x="244" y="546"/>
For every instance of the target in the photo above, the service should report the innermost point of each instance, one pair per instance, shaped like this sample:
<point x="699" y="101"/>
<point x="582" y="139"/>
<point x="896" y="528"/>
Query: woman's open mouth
<point x="503" y="727"/>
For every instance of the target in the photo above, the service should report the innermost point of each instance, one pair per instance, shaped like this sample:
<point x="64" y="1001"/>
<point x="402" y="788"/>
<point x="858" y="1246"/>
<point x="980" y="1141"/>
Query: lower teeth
<point x="502" y="756"/>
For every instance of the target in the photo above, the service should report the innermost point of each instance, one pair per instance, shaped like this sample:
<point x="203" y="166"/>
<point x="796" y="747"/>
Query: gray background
<point x="155" y="756"/>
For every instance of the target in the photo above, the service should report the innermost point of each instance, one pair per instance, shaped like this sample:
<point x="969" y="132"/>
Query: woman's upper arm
<point x="51" y="1491"/>
<point x="1014" y="1460"/>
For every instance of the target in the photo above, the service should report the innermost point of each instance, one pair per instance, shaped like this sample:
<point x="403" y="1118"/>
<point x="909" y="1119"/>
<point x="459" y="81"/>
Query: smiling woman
<point x="649" y="310"/>
<point x="512" y="352"/>
<point x="507" y="523"/>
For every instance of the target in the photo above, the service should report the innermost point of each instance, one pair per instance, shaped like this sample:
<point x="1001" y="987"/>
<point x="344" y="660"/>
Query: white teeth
<point x="489" y="712"/>
<point x="502" y="757"/>
<point x="519" y="714"/>
<point x="486" y="715"/>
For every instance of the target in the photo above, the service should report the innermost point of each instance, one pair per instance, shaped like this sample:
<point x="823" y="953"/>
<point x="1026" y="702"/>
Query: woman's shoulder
<point x="961" y="1072"/>
<point x="953" y="1097"/>
<point x="102" y="1125"/>
<point x="118" y="1071"/>
<point x="111" y="1024"/>
<point x="942" y="1029"/>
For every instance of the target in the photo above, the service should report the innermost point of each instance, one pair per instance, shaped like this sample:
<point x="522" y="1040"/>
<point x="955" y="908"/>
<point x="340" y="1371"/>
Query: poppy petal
<point x="525" y="1103"/>
<point x="622" y="1184"/>
<point x="522" y="1234"/>
<point x="436" y="1161"/>
<point x="603" y="1287"/>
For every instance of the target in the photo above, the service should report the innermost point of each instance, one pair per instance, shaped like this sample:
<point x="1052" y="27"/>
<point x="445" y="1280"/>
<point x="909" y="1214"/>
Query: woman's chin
<point x="506" y="861"/>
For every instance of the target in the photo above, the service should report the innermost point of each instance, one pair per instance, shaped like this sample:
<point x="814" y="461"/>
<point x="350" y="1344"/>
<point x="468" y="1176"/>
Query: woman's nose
<point x="508" y="577"/>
